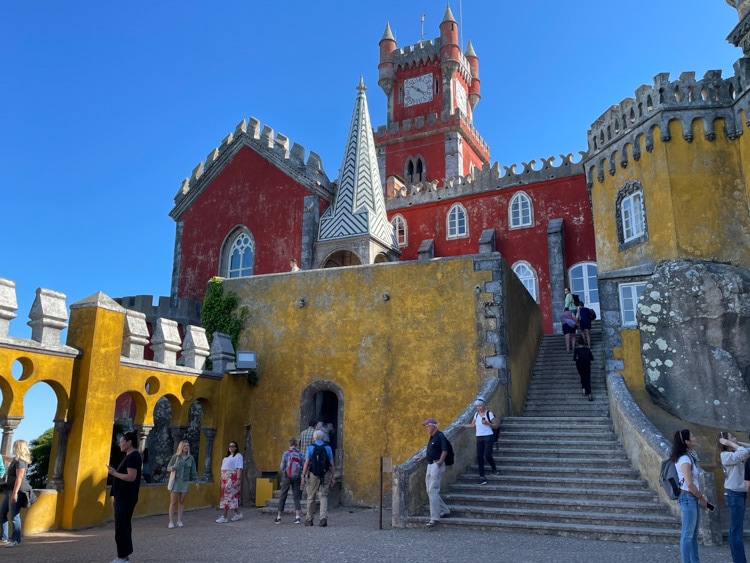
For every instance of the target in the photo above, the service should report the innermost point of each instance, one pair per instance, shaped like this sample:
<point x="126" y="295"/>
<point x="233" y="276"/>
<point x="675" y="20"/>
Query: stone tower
<point x="355" y="229"/>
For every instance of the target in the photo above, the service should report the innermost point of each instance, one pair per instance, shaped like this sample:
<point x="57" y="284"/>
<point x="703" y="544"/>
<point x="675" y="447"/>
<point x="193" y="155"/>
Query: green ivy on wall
<point x="219" y="315"/>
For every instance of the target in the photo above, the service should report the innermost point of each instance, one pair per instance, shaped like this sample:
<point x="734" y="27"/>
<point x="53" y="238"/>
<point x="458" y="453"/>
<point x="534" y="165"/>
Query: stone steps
<point x="561" y="467"/>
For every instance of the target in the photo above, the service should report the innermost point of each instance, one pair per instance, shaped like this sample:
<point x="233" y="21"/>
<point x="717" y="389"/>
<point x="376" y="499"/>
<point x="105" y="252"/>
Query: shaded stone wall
<point x="694" y="320"/>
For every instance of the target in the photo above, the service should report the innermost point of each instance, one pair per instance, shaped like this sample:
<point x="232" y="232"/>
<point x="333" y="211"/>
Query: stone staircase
<point x="562" y="469"/>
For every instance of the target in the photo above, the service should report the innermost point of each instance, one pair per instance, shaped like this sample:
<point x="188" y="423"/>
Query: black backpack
<point x="319" y="462"/>
<point x="450" y="457"/>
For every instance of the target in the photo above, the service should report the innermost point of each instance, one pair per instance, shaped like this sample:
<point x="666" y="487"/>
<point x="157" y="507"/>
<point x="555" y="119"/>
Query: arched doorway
<point x="323" y="401"/>
<point x="583" y="282"/>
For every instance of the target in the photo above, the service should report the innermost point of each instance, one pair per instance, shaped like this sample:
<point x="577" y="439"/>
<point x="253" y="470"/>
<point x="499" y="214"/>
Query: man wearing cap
<point x="437" y="450"/>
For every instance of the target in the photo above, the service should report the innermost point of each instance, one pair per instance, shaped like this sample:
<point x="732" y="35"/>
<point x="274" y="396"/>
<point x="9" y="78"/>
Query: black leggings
<point x="124" y="508"/>
<point x="484" y="451"/>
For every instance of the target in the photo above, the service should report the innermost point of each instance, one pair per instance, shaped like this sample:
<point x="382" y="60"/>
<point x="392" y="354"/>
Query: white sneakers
<point x="237" y="517"/>
<point x="171" y="525"/>
<point x="221" y="520"/>
<point x="179" y="523"/>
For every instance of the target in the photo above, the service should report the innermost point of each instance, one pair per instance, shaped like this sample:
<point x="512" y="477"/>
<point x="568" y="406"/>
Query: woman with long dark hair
<point x="730" y="456"/>
<point x="231" y="484"/>
<point x="686" y="462"/>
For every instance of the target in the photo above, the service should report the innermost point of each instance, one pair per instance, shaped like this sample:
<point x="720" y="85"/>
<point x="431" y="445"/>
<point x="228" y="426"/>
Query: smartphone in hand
<point x="710" y="507"/>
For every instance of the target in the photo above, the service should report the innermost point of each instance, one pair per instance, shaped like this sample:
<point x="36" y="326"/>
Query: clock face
<point x="418" y="90"/>
<point x="461" y="97"/>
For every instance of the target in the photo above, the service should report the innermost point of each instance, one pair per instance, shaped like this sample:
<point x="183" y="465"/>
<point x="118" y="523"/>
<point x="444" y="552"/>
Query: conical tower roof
<point x="359" y="206"/>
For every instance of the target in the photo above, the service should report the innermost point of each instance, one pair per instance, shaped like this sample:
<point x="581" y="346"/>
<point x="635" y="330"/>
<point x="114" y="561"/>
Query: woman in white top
<point x="686" y="462"/>
<point x="231" y="481"/>
<point x="482" y="423"/>
<point x="730" y="455"/>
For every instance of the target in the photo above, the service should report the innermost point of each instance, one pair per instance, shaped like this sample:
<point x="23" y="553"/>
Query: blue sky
<point x="107" y="107"/>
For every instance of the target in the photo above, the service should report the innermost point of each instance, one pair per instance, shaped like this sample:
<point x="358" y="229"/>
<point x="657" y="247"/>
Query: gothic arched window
<point x="399" y="225"/>
<point x="528" y="277"/>
<point x="238" y="254"/>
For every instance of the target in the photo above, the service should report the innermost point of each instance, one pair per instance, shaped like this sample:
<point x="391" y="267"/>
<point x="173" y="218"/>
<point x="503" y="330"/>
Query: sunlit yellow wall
<point x="695" y="200"/>
<point x="93" y="381"/>
<point x="398" y="361"/>
<point x="630" y="354"/>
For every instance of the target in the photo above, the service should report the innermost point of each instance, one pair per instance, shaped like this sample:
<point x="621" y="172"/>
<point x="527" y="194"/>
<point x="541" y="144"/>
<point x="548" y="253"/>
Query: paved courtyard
<point x="352" y="536"/>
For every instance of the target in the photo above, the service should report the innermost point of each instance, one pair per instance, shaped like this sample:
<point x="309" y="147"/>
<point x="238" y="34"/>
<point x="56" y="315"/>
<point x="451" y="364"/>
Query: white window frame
<point x="452" y="222"/>
<point x="519" y="203"/>
<point x="399" y="224"/>
<point x="241" y="243"/>
<point x="528" y="278"/>
<point x="632" y="215"/>
<point x="629" y="294"/>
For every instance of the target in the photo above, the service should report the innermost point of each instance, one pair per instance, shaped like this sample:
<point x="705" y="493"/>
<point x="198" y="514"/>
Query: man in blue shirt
<point x="318" y="463"/>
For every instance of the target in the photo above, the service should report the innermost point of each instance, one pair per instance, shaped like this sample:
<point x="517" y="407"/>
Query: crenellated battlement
<point x="621" y="128"/>
<point x="49" y="317"/>
<point x="487" y="179"/>
<point x="275" y="147"/>
<point x="425" y="52"/>
<point x="429" y="123"/>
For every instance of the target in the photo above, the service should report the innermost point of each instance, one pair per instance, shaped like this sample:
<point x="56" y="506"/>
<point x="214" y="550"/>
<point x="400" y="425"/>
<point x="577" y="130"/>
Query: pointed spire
<point x="470" y="50"/>
<point x="358" y="210"/>
<point x="388" y="34"/>
<point x="448" y="16"/>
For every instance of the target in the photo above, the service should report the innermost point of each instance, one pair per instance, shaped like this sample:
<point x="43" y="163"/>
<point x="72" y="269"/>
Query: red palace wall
<point x="252" y="192"/>
<point x="560" y="198"/>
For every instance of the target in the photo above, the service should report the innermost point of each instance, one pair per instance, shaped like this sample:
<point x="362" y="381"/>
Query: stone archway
<point x="324" y="400"/>
<point x="342" y="258"/>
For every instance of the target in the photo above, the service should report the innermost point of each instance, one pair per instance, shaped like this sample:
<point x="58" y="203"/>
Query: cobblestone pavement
<point x="352" y="535"/>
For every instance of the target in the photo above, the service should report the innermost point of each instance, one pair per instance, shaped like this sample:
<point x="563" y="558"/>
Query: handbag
<point x="172" y="474"/>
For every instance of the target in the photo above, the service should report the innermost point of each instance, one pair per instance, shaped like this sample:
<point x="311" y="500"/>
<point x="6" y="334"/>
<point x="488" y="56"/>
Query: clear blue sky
<point x="106" y="107"/>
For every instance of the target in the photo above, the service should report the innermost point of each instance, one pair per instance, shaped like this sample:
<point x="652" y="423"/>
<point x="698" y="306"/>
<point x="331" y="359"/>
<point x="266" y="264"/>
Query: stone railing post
<point x="210" y="434"/>
<point x="166" y="342"/>
<point x="222" y="352"/>
<point x="135" y="335"/>
<point x="8" y="305"/>
<point x="195" y="348"/>
<point x="178" y="434"/>
<point x="143" y="431"/>
<point x="8" y="424"/>
<point x="62" y="429"/>
<point x="48" y="317"/>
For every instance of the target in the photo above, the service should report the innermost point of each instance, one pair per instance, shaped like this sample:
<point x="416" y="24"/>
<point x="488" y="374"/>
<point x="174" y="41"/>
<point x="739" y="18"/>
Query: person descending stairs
<point x="561" y="467"/>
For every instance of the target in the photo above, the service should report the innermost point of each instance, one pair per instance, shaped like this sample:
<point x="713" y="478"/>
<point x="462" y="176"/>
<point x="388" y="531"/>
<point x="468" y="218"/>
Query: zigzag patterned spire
<point x="359" y="206"/>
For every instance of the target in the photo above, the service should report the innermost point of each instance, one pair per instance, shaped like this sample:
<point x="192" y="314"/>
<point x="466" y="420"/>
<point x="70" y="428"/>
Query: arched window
<point x="458" y="225"/>
<point x="409" y="172"/>
<point x="630" y="216"/>
<point x="583" y="282"/>
<point x="414" y="169"/>
<point x="520" y="212"/>
<point x="528" y="278"/>
<point x="419" y="169"/>
<point x="399" y="225"/>
<point x="238" y="254"/>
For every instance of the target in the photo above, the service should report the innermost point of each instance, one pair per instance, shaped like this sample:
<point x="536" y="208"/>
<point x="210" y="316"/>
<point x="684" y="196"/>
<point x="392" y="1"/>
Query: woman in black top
<point x="125" y="490"/>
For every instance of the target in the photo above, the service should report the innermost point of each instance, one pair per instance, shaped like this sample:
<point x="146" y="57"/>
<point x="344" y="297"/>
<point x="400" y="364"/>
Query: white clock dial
<point x="461" y="97"/>
<point x="418" y="90"/>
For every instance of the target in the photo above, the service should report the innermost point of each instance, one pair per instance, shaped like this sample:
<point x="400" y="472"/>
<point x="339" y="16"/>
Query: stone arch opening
<point x="342" y="258"/>
<point x="323" y="401"/>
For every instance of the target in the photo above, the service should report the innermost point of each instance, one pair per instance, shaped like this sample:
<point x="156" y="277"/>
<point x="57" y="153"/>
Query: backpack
<point x="450" y="457"/>
<point x="593" y="314"/>
<point x="319" y="463"/>
<point x="293" y="464"/>
<point x="495" y="431"/>
<point x="669" y="479"/>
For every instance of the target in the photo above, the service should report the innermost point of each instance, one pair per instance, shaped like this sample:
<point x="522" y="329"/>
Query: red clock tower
<point x="432" y="90"/>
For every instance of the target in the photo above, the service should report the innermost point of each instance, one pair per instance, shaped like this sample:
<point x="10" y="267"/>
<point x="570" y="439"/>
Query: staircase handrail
<point x="409" y="493"/>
